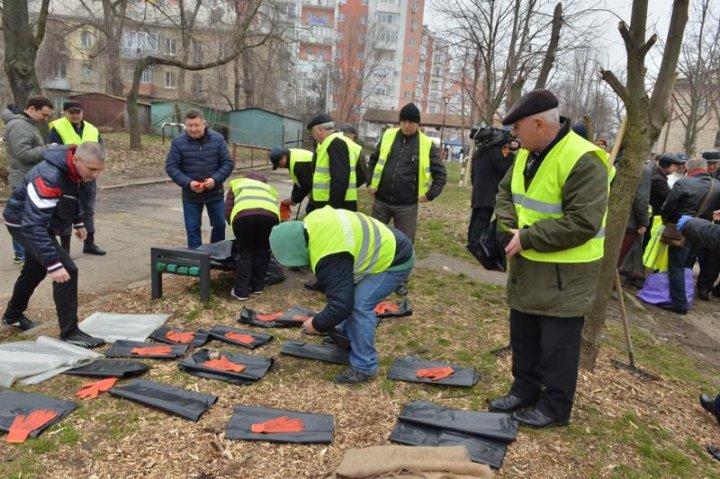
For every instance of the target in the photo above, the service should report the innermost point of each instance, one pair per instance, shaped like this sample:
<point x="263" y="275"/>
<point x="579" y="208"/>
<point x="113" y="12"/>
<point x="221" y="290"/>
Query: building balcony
<point x="146" y="89"/>
<point x="57" y="84"/>
<point x="329" y="4"/>
<point x="316" y="38"/>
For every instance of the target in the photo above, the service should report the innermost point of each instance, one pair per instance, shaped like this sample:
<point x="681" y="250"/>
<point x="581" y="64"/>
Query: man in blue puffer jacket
<point x="199" y="162"/>
<point x="46" y="204"/>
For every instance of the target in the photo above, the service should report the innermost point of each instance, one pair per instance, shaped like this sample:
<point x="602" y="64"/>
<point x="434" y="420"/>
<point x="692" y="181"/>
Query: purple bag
<point x="656" y="289"/>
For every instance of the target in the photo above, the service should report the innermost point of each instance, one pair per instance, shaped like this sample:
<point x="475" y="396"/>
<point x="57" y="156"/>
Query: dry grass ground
<point x="621" y="427"/>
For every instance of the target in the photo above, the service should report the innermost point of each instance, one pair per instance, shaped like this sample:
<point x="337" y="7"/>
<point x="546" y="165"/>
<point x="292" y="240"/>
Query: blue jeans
<point x="18" y="249"/>
<point x="360" y="327"/>
<point x="193" y="221"/>
<point x="676" y="275"/>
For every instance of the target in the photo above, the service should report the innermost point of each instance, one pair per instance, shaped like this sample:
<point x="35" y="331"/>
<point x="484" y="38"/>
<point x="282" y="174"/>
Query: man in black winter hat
<point x="405" y="170"/>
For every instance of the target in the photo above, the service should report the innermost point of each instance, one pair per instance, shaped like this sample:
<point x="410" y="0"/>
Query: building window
<point x="85" y="39"/>
<point x="170" y="80"/>
<point x="197" y="84"/>
<point x="365" y="2"/>
<point x="388" y="18"/>
<point x="197" y="52"/>
<point x="341" y="17"/>
<point x="717" y="140"/>
<point x="407" y="95"/>
<point x="385" y="36"/>
<point x="411" y="43"/>
<point x="411" y="59"/>
<point x="170" y="46"/>
<point x="363" y="20"/>
<point x="86" y="72"/>
<point x="61" y="71"/>
<point x="148" y="75"/>
<point x="413" y="25"/>
<point x="408" y="79"/>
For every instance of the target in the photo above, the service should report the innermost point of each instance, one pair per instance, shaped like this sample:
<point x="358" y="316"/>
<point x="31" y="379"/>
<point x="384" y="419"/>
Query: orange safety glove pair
<point x="91" y="390"/>
<point x="279" y="425"/>
<point x="268" y="317"/>
<point x="285" y="211"/>
<point x="180" y="338"/>
<point x="385" y="307"/>
<point x="240" y="338"/>
<point x="434" y="374"/>
<point x="23" y="425"/>
<point x="152" y="350"/>
<point x="224" y="364"/>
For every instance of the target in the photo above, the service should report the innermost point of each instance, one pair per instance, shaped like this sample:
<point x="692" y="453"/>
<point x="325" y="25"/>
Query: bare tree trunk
<point x="114" y="84"/>
<point x="248" y="79"/>
<point x="549" y="59"/>
<point x="132" y="108"/>
<point x="237" y="86"/>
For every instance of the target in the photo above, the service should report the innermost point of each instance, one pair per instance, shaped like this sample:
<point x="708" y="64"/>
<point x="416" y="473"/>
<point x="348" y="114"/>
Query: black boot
<point x="90" y="246"/>
<point x="65" y="242"/>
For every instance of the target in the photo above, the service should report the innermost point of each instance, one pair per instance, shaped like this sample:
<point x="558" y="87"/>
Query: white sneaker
<point x="239" y="298"/>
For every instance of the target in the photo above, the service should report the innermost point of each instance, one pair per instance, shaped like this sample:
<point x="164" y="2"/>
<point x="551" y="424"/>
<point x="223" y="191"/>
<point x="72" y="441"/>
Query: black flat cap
<point x="348" y="128"/>
<point x="72" y="105"/>
<point x="536" y="101"/>
<point x="276" y="154"/>
<point x="711" y="155"/>
<point x="670" y="158"/>
<point x="319" y="120"/>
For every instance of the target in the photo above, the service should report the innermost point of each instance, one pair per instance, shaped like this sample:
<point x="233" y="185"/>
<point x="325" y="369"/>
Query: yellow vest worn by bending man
<point x="252" y="194"/>
<point x="543" y="200"/>
<point x="332" y="231"/>
<point x="321" y="176"/>
<point x="388" y="138"/>
<point x="298" y="155"/>
<point x="69" y="136"/>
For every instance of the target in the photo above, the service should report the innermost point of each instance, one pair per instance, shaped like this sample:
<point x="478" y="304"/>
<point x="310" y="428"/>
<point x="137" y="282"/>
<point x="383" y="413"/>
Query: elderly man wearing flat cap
<point x="334" y="180"/>
<point x="553" y="202"/>
<point x="709" y="258"/>
<point x="300" y="167"/>
<point x="72" y="129"/>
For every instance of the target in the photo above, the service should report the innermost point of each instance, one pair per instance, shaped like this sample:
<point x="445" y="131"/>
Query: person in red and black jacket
<point x="46" y="204"/>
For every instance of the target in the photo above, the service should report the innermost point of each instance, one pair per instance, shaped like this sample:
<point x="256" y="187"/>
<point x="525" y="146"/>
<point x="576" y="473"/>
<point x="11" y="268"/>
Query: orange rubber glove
<point x="224" y="364"/>
<point x="387" y="307"/>
<point x="23" y="425"/>
<point x="180" y="338"/>
<point x="434" y="373"/>
<point x="268" y="317"/>
<point x="91" y="390"/>
<point x="279" y="425"/>
<point x="285" y="211"/>
<point x="152" y="350"/>
<point x="240" y="338"/>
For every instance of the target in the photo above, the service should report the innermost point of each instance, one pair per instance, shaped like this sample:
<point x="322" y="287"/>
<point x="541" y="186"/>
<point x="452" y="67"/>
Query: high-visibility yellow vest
<point x="321" y="176"/>
<point x="251" y="194"/>
<point x="68" y="134"/>
<point x="543" y="200"/>
<point x="298" y="155"/>
<point x="332" y="231"/>
<point x="424" y="178"/>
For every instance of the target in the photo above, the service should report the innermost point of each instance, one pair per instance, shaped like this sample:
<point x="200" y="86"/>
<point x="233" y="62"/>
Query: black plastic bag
<point x="292" y="318"/>
<point x="255" y="367"/>
<point x="199" y="340"/>
<point x="632" y="265"/>
<point x="318" y="428"/>
<point x="171" y="399"/>
<point x="123" y="349"/>
<point x="275" y="273"/>
<point x="489" y="249"/>
<point x="13" y="404"/>
<point x="322" y="352"/>
<point x="222" y="256"/>
<point x="110" y="368"/>
<point x="492" y="425"/>
<point x="480" y="450"/>
<point x="393" y="309"/>
<point x="404" y="370"/>
<point x="259" y="339"/>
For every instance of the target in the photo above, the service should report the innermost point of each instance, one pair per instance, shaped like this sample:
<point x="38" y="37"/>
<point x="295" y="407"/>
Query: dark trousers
<point x="479" y="222"/>
<point x="33" y="272"/>
<point x="628" y="240"/>
<point x="252" y="254"/>
<point x="546" y="355"/>
<point x="677" y="259"/>
<point x="404" y="217"/>
<point x="709" y="269"/>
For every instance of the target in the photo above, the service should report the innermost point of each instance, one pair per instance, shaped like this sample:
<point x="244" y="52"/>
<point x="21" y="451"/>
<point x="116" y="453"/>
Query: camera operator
<point x="490" y="162"/>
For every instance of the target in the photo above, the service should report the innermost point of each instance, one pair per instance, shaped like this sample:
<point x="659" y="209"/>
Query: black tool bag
<point x="404" y="370"/>
<point x="321" y="352"/>
<point x="180" y="402"/>
<point x="255" y="366"/>
<point x="110" y="368"/>
<point x="123" y="349"/>
<point x="292" y="318"/>
<point x="13" y="404"/>
<point x="259" y="339"/>
<point x="318" y="428"/>
<point x="199" y="340"/>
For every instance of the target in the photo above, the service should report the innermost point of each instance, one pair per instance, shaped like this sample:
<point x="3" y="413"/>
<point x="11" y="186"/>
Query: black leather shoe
<point x="708" y="403"/>
<point x="536" y="418"/>
<point x="703" y="294"/>
<point x="312" y="286"/>
<point x="508" y="403"/>
<point x="92" y="248"/>
<point x="673" y="308"/>
<point x="21" y="322"/>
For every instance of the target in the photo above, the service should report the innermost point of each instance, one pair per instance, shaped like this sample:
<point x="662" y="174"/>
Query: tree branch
<point x="616" y="85"/>
<point x="42" y="22"/>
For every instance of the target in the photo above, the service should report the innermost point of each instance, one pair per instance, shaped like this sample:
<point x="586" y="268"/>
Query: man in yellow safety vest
<point x="300" y="167"/>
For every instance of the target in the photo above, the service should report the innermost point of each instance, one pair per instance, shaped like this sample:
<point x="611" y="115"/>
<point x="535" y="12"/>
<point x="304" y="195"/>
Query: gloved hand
<point x="681" y="222"/>
<point x="23" y="425"/>
<point x="91" y="390"/>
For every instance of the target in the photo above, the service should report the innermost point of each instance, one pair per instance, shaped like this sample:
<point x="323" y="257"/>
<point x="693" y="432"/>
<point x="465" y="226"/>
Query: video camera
<point x="486" y="136"/>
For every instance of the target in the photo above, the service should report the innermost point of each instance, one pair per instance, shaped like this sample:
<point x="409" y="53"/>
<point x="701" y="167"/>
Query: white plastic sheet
<point x="32" y="362"/>
<point x="113" y="326"/>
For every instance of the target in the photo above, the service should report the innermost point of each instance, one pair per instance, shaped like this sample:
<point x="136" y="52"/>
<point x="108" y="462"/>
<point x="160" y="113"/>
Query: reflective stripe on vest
<point x="321" y="175"/>
<point x="388" y="139"/>
<point x="251" y="194"/>
<point x="298" y="155"/>
<point x="331" y="231"/>
<point x="69" y="136"/>
<point x="543" y="200"/>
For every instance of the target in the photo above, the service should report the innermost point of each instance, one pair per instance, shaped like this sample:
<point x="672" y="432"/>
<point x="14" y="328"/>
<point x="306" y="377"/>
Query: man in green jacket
<point x="552" y="203"/>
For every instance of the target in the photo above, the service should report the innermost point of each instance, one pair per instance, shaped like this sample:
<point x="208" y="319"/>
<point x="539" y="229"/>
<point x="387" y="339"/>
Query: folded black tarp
<point x="222" y="257"/>
<point x="258" y="339"/>
<point x="322" y="352"/>
<point x="255" y="366"/>
<point x="482" y="450"/>
<point x="14" y="403"/>
<point x="198" y="341"/>
<point x="110" y="368"/>
<point x="492" y="425"/>
<point x="292" y="318"/>
<point x="318" y="428"/>
<point x="393" y="309"/>
<point x="404" y="370"/>
<point x="171" y="399"/>
<point x="123" y="349"/>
